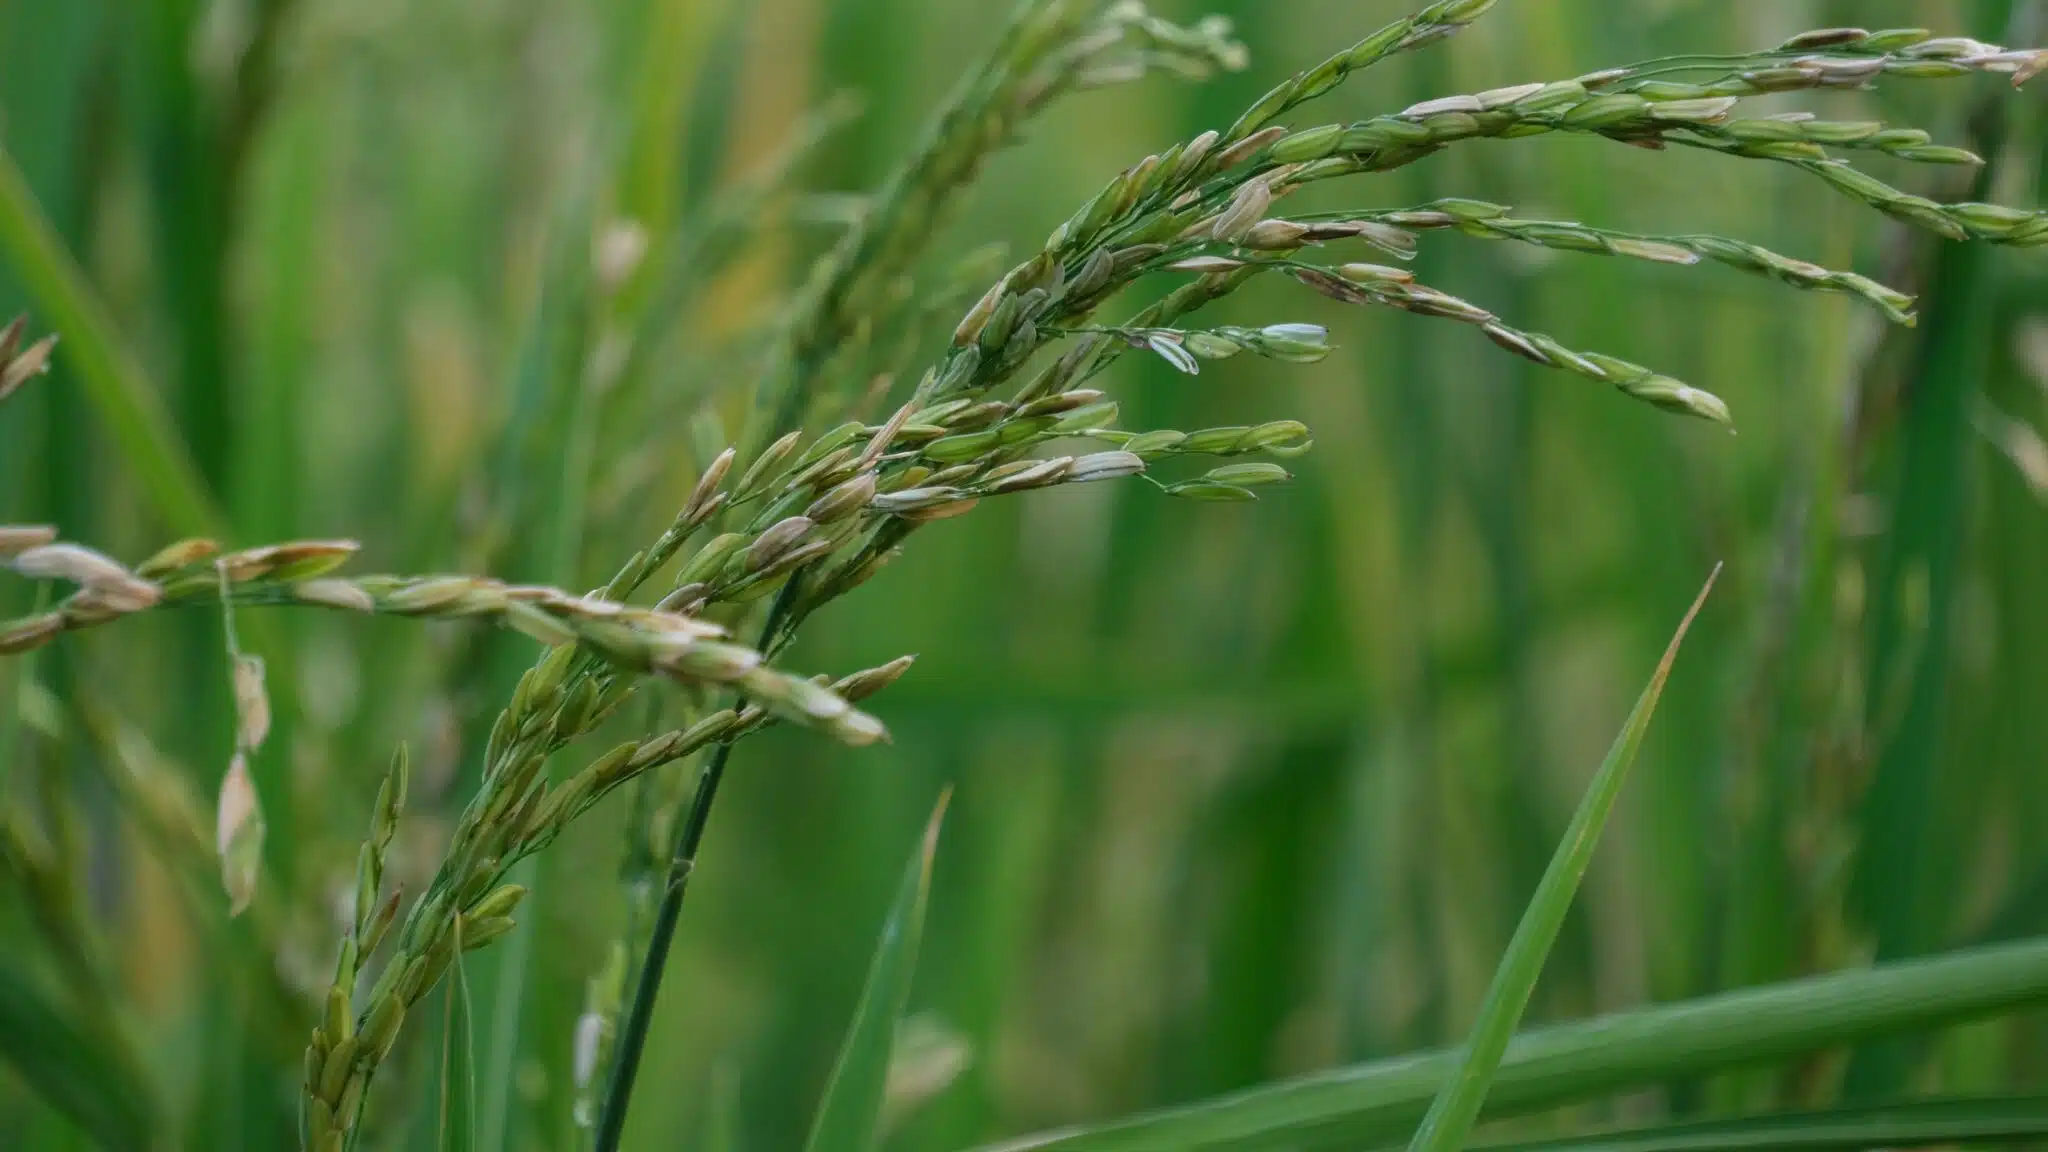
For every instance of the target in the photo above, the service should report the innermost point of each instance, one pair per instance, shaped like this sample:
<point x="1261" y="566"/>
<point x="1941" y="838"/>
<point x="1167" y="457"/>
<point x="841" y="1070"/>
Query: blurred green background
<point x="1239" y="791"/>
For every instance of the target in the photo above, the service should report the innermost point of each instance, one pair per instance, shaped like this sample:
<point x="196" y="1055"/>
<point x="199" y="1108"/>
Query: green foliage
<point x="68" y="1056"/>
<point x="712" y="345"/>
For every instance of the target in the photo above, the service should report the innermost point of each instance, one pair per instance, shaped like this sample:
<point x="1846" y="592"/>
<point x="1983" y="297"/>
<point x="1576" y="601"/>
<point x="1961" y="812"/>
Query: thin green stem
<point x="633" y="1037"/>
<point x="682" y="861"/>
<point x="227" y="615"/>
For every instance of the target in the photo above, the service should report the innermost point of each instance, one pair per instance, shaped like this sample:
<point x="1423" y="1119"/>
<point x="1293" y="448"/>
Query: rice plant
<point x="719" y="463"/>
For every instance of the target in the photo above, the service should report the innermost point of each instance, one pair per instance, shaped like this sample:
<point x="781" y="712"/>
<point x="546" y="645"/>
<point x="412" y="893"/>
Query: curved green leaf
<point x="853" y="1096"/>
<point x="1382" y="1100"/>
<point x="1910" y="1124"/>
<point x="1456" y="1107"/>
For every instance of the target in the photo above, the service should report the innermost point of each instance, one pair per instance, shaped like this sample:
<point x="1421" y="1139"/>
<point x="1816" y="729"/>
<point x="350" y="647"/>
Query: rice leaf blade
<point x="845" y="1121"/>
<point x="1910" y="1124"/>
<point x="1381" y="1100"/>
<point x="1457" y="1105"/>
